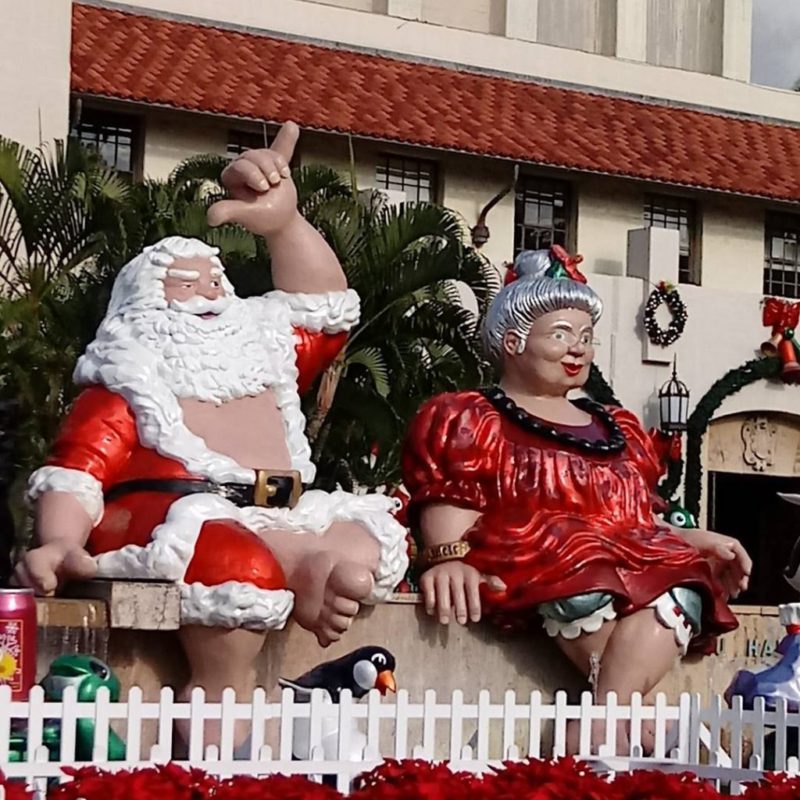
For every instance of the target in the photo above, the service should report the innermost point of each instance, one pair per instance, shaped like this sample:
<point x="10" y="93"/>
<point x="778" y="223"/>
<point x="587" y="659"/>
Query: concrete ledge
<point x="60" y="612"/>
<point x="138" y="605"/>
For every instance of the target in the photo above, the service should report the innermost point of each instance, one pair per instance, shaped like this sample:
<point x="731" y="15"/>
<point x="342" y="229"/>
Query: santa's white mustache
<point x="202" y="305"/>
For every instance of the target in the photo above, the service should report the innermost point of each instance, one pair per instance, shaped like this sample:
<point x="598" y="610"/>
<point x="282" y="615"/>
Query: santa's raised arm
<point x="185" y="456"/>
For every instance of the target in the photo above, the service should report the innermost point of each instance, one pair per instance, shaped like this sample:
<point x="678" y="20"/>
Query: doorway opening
<point x="748" y="508"/>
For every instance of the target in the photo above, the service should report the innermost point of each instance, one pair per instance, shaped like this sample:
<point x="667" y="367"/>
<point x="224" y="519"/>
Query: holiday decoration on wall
<point x="667" y="294"/>
<point x="730" y="383"/>
<point x="782" y="317"/>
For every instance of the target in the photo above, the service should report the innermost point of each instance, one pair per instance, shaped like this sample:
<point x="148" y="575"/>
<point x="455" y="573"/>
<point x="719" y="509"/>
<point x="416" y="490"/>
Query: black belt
<point x="270" y="490"/>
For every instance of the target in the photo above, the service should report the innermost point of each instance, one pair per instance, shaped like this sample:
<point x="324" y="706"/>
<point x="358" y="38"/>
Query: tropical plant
<point x="67" y="224"/>
<point x="410" y="266"/>
<point x="54" y="207"/>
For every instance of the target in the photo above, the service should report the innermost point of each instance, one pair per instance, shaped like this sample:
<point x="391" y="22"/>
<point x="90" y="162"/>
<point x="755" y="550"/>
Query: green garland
<point x="730" y="383"/>
<point x="672" y="480"/>
<point x="598" y="388"/>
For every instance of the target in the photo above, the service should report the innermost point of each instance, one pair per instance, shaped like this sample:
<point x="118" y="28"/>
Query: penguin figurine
<point x="361" y="671"/>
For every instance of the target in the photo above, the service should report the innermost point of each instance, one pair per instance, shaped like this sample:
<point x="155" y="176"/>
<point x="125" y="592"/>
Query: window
<point x="239" y="141"/>
<point x="115" y="137"/>
<point x="676" y="213"/>
<point x="781" y="258"/>
<point x="541" y="214"/>
<point x="414" y="176"/>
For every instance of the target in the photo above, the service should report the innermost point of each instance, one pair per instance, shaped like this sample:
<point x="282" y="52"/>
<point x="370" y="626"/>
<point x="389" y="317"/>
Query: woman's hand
<point x="729" y="560"/>
<point x="455" y="586"/>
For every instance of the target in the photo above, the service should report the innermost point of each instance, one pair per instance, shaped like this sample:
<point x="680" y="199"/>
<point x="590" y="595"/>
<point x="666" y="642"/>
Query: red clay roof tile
<point x="202" y="68"/>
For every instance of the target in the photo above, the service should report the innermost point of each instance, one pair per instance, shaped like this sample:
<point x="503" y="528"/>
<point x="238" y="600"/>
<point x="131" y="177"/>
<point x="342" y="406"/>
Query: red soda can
<point x="17" y="641"/>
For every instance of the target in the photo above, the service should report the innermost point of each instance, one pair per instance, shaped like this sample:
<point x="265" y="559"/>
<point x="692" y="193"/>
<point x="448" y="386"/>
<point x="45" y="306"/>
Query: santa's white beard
<point x="215" y="359"/>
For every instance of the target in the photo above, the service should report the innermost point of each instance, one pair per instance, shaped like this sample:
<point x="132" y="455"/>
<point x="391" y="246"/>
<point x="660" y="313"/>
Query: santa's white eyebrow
<point x="186" y="274"/>
<point x="215" y="272"/>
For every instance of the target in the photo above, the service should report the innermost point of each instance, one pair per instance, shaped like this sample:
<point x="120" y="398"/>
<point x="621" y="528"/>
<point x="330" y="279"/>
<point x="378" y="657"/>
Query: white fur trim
<point x="86" y="489"/>
<point x="330" y="312"/>
<point x="168" y="554"/>
<point x="171" y="547"/>
<point x="317" y="510"/>
<point x="589" y="624"/>
<point x="131" y="370"/>
<point x="235" y="605"/>
<point x="665" y="607"/>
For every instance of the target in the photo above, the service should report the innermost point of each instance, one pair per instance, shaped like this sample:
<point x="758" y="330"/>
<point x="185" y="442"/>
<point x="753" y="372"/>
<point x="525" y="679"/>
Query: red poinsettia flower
<point x="14" y="790"/>
<point x="417" y="780"/>
<point x="655" y="785"/>
<point x="775" y="786"/>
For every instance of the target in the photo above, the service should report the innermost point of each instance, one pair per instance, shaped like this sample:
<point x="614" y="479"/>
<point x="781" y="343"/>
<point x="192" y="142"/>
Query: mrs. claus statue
<point x="184" y="458"/>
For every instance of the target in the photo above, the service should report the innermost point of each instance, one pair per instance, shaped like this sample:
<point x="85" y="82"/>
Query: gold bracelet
<point x="438" y="554"/>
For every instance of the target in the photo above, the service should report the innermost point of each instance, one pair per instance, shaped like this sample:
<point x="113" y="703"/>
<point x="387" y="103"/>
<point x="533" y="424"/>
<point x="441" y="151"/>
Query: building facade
<point x="618" y="115"/>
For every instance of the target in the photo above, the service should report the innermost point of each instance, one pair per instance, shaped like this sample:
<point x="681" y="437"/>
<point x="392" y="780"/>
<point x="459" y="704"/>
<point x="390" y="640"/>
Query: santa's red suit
<point x="127" y="426"/>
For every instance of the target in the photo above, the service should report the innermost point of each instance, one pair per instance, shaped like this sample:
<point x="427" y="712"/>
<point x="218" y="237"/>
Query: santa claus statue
<point x="185" y="459"/>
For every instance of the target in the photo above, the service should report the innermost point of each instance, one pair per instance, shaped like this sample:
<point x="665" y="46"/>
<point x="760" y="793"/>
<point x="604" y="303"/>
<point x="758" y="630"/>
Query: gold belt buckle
<point x="263" y="490"/>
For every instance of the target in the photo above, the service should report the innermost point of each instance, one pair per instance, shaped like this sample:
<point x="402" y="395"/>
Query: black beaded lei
<point x="508" y="408"/>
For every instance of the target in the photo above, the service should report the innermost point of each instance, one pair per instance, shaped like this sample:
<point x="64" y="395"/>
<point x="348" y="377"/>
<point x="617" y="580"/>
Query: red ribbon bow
<point x="780" y="315"/>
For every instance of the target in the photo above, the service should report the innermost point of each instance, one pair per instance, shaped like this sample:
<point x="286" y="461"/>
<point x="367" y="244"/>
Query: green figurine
<point x="679" y="516"/>
<point x="87" y="674"/>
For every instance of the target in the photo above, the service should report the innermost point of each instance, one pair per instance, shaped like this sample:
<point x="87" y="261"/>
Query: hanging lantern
<point x="673" y="404"/>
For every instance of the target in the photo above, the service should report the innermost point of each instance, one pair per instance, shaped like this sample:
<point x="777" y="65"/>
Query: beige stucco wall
<point x="483" y="16"/>
<point x="588" y="25"/>
<point x="732" y="244"/>
<point x="604" y="217"/>
<point x="380" y="32"/>
<point x="34" y="70"/>
<point x="169" y="138"/>
<point x="687" y="34"/>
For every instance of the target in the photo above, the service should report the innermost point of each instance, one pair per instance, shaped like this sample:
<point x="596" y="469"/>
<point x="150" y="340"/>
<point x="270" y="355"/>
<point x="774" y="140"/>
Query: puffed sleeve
<point x="94" y="442"/>
<point x="450" y="452"/>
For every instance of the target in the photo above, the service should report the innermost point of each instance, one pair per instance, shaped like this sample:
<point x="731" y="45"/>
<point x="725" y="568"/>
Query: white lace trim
<point x="168" y="554"/>
<point x="669" y="614"/>
<point x="235" y="605"/>
<point x="171" y="547"/>
<point x="330" y="312"/>
<point x="588" y="624"/>
<point x="86" y="489"/>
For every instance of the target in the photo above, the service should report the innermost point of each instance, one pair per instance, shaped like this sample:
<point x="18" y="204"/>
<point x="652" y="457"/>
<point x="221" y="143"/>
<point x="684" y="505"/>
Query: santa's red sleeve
<point x="449" y="453"/>
<point x="94" y="442"/>
<point x="321" y="323"/>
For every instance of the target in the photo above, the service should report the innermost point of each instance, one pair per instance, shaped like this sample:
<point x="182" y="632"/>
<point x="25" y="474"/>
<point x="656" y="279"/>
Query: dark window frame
<point x="786" y="227"/>
<point x="411" y="174"/>
<point x="99" y="126"/>
<point x="240" y="140"/>
<point x="674" y="211"/>
<point x="541" y="193"/>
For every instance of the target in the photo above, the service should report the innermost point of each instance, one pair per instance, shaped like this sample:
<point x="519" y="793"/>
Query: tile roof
<point x="216" y="70"/>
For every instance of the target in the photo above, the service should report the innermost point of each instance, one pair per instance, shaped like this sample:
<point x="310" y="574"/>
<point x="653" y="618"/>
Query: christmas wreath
<point x="668" y="294"/>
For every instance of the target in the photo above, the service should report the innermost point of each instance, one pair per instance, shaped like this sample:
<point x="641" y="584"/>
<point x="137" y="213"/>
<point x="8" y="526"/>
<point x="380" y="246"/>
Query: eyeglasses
<point x="569" y="339"/>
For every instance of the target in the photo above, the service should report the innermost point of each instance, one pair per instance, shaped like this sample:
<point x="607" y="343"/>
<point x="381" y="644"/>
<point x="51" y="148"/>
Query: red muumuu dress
<point x="555" y="522"/>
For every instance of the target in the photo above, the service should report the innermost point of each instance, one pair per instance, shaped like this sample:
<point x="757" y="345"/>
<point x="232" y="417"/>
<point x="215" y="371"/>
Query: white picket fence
<point x="346" y="739"/>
